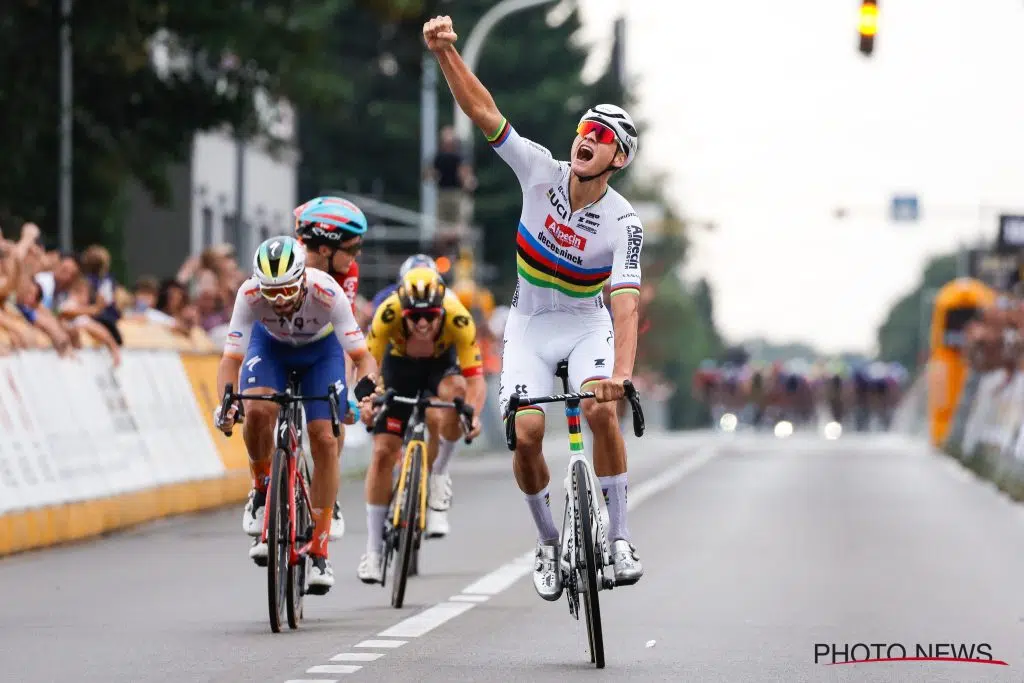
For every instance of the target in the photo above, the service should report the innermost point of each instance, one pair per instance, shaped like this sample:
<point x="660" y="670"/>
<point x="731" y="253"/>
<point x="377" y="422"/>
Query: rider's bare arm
<point x="347" y="330"/>
<point x="625" y="292"/>
<point x="470" y="94"/>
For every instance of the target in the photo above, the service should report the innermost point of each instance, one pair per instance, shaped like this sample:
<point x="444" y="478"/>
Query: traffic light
<point x="868" y="26"/>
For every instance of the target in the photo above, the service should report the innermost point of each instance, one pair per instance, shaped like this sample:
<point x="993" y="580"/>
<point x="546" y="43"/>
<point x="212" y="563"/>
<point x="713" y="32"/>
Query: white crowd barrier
<point x="86" y="448"/>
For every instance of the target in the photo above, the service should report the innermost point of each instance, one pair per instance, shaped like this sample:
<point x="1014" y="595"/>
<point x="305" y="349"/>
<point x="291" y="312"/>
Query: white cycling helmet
<point x="619" y="121"/>
<point x="279" y="264"/>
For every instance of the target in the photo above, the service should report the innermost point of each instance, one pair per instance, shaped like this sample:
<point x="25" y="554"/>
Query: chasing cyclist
<point x="574" y="234"/>
<point x="414" y="261"/>
<point x="332" y="229"/>
<point x="433" y="347"/>
<point x="290" y="318"/>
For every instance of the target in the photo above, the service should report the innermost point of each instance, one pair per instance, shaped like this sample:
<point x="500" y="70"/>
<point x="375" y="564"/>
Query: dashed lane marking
<point x="496" y="581"/>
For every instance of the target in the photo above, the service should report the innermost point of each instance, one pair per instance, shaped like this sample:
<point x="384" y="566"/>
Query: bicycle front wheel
<point x="587" y="567"/>
<point x="297" y="572"/>
<point x="409" y="523"/>
<point x="278" y="539"/>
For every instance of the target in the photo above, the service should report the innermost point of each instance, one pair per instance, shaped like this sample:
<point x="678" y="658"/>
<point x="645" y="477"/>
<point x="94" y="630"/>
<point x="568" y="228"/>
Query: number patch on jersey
<point x="460" y="321"/>
<point x="388" y="316"/>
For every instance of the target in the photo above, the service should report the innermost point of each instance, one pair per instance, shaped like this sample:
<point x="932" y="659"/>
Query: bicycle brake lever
<point x="510" y="422"/>
<point x="332" y="402"/>
<point x="639" y="426"/>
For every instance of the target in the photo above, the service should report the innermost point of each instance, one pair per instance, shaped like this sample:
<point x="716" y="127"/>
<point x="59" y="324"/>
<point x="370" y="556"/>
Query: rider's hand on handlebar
<point x="225" y="423"/>
<point x="475" y="428"/>
<point x="609" y="389"/>
<point x="367" y="411"/>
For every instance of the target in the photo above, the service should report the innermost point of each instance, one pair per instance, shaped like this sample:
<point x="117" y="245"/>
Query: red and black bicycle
<point x="288" y="521"/>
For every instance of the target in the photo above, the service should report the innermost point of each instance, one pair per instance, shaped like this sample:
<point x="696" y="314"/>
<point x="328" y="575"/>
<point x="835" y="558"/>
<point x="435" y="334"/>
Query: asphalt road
<point x="756" y="550"/>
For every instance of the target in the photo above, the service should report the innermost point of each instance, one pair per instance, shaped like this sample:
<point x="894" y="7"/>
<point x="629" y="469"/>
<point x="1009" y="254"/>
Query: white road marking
<point x="469" y="598"/>
<point x="506" y="575"/>
<point x="427" y="620"/>
<point x="382" y="643"/>
<point x="357" y="657"/>
<point x="333" y="669"/>
<point x="312" y="680"/>
<point x="493" y="583"/>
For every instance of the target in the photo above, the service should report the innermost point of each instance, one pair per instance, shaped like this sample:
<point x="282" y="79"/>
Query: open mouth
<point x="584" y="153"/>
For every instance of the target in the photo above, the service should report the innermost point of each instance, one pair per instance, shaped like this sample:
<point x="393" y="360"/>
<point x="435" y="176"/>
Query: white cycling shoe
<point x="547" y="572"/>
<point x="321" y="575"/>
<point x="439" y="500"/>
<point x="337" y="523"/>
<point x="626" y="561"/>
<point x="371" y="568"/>
<point x="252" y="517"/>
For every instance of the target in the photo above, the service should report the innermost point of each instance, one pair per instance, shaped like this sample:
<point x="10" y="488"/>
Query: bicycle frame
<point x="414" y="438"/>
<point x="571" y="520"/>
<point x="289" y="440"/>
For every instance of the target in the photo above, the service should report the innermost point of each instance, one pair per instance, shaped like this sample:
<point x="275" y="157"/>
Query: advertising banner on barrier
<point x="34" y="472"/>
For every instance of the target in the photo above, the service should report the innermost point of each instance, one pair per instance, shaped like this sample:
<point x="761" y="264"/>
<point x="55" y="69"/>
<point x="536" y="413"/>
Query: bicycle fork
<point x="571" y="518"/>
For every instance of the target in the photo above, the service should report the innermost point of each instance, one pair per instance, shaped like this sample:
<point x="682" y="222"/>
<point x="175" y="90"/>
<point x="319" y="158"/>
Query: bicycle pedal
<point x="608" y="583"/>
<point x="260" y="561"/>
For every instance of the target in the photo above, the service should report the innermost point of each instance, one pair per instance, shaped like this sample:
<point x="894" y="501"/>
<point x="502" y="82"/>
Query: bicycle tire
<point x="278" y="533"/>
<point x="407" y="528"/>
<point x="591" y="601"/>
<point x="297" y="572"/>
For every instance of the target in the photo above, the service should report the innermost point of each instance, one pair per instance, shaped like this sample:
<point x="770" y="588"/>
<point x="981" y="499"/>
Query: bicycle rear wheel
<point x="408" y="525"/>
<point x="303" y="531"/>
<point x="278" y="539"/>
<point x="587" y="566"/>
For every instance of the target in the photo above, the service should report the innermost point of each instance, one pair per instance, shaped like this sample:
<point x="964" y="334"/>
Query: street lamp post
<point x="471" y="55"/>
<point x="66" y="123"/>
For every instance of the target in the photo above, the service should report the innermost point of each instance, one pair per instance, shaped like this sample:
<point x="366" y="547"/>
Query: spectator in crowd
<point x="455" y="180"/>
<point x="80" y="314"/>
<point x="102" y="287"/>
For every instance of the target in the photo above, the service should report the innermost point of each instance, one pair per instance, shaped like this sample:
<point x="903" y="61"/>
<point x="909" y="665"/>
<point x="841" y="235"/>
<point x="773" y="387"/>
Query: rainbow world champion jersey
<point x="564" y="259"/>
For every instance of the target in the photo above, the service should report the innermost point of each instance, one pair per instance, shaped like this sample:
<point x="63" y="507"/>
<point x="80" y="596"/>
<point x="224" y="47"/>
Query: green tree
<point x="129" y="120"/>
<point x="371" y="143"/>
<point x="902" y="337"/>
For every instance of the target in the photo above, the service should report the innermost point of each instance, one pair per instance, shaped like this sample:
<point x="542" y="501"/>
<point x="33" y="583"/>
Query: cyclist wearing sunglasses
<point x="414" y="261"/>
<point x="332" y="229"/>
<point x="575" y="234"/>
<point x="290" y="318"/>
<point x="433" y="348"/>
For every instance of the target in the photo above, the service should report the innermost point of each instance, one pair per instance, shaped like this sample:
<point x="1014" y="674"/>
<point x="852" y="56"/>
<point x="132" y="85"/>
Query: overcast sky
<point x="768" y="118"/>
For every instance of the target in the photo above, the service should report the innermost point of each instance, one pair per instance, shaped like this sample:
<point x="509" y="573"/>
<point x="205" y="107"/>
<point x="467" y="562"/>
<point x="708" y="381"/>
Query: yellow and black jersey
<point x="457" y="330"/>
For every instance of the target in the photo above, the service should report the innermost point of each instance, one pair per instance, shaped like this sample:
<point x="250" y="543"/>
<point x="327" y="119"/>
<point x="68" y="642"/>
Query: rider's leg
<point x="592" y="360"/>
<point x="386" y="450"/>
<point x="262" y="373"/>
<point x="444" y="423"/>
<point x="323" y="366"/>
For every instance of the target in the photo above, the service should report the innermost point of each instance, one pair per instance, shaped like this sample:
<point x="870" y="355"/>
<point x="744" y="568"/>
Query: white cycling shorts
<point x="535" y="344"/>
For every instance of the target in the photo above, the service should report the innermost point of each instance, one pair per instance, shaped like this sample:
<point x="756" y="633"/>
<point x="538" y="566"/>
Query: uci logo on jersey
<point x="556" y="203"/>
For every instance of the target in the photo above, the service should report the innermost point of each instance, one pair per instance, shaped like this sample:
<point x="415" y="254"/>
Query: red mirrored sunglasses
<point x="603" y="133"/>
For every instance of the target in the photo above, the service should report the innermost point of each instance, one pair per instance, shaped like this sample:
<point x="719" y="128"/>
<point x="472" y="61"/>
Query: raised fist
<point x="439" y="34"/>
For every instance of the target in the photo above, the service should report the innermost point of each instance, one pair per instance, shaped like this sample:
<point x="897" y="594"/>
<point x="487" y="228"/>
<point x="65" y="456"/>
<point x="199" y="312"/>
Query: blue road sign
<point x="905" y="208"/>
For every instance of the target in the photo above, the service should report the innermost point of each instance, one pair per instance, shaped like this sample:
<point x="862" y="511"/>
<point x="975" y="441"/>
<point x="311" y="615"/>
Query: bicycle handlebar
<point x="281" y="399"/>
<point x="515" y="402"/>
<point x="458" y="404"/>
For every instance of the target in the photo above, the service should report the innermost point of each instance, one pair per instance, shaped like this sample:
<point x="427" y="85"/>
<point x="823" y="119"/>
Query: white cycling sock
<point x="540" y="508"/>
<point x="375" y="515"/>
<point x="614" y="489"/>
<point x="445" y="450"/>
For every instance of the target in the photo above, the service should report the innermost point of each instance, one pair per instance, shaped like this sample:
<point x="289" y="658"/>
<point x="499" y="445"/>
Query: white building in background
<point x="205" y="190"/>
